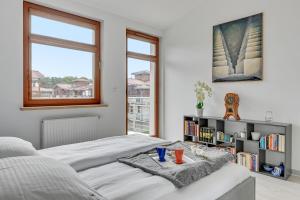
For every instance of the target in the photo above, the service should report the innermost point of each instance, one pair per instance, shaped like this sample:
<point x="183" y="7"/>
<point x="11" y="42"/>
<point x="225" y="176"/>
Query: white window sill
<point x="63" y="107"/>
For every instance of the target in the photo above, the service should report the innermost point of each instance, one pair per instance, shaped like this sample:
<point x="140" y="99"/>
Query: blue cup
<point x="161" y="151"/>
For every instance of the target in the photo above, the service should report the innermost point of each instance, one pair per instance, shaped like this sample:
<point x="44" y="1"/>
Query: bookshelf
<point x="193" y="132"/>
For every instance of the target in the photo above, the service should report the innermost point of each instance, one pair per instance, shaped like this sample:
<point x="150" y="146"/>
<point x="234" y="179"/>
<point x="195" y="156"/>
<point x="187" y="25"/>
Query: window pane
<point x="142" y="47"/>
<point x="59" y="73"/>
<point x="140" y="96"/>
<point x="61" y="30"/>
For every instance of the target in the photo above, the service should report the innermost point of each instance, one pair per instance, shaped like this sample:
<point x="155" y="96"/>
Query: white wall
<point x="26" y="124"/>
<point x="188" y="58"/>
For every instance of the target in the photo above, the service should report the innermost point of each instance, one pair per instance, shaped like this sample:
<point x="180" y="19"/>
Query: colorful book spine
<point x="191" y="128"/>
<point x="206" y="134"/>
<point x="248" y="160"/>
<point x="274" y="142"/>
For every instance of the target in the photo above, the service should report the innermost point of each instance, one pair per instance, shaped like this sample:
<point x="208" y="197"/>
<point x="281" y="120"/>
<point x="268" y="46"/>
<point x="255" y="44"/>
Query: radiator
<point x="56" y="132"/>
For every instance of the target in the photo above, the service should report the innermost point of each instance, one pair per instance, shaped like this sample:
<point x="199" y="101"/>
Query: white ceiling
<point x="156" y="13"/>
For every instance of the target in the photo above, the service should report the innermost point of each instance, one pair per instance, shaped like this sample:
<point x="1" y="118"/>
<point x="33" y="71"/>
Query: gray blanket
<point x="182" y="175"/>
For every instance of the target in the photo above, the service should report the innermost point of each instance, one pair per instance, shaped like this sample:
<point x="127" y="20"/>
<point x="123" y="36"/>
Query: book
<point x="248" y="160"/>
<point x="274" y="142"/>
<point x="191" y="128"/>
<point x="283" y="144"/>
<point x="206" y="134"/>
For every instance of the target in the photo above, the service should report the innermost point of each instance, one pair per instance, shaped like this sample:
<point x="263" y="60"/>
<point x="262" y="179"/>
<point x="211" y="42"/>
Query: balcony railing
<point x="139" y="114"/>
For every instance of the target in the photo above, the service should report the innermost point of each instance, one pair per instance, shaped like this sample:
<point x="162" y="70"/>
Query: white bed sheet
<point x="117" y="181"/>
<point x="94" y="153"/>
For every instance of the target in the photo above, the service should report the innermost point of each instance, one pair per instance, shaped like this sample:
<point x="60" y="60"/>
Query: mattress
<point x="94" y="153"/>
<point x="117" y="181"/>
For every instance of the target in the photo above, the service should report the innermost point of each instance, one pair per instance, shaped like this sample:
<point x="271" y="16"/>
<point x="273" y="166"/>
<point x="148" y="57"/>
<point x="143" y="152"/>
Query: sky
<point x="59" y="62"/>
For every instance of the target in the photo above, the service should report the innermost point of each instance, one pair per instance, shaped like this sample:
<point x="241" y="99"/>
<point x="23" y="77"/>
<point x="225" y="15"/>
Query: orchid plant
<point x="201" y="89"/>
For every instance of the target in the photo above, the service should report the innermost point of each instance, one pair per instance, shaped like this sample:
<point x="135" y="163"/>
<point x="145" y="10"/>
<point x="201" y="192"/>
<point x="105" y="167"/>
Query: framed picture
<point x="238" y="50"/>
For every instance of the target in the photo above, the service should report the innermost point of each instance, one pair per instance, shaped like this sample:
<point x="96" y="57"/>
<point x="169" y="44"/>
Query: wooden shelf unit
<point x="247" y="144"/>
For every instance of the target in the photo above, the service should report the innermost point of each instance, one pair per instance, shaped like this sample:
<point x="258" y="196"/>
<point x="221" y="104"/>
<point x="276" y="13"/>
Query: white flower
<point x="200" y="89"/>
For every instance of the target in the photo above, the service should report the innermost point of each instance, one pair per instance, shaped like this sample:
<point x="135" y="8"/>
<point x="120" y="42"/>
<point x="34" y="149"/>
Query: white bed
<point x="89" y="154"/>
<point x="95" y="163"/>
<point x="117" y="181"/>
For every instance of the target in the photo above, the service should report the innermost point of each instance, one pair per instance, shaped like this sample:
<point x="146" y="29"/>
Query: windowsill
<point x="137" y="133"/>
<point x="63" y="107"/>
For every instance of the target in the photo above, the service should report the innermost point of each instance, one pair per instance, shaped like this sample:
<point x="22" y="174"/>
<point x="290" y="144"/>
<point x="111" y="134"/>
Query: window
<point x="130" y="109"/>
<point x="139" y="109"/>
<point x="142" y="83"/>
<point x="61" y="58"/>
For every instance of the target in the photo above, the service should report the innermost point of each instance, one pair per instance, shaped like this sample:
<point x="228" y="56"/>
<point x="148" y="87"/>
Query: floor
<point x="268" y="188"/>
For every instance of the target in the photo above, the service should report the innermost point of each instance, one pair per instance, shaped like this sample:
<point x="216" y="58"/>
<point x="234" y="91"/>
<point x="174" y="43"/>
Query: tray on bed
<point x="170" y="160"/>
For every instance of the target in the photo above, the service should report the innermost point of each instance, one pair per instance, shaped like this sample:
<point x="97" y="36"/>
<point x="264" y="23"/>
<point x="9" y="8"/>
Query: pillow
<point x="13" y="147"/>
<point x="41" y="178"/>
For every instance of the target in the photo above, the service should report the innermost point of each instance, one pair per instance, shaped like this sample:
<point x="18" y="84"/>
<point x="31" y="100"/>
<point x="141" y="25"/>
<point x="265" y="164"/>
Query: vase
<point x="200" y="112"/>
<point x="269" y="116"/>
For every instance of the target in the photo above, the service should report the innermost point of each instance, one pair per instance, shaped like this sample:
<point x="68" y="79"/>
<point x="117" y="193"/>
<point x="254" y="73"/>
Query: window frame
<point x="28" y="39"/>
<point x="152" y="58"/>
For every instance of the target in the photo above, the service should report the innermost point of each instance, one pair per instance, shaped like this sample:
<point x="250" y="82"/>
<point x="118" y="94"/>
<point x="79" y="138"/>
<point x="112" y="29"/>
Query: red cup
<point x="178" y="156"/>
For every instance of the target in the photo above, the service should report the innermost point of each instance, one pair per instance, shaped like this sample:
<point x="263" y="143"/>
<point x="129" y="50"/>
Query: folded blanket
<point x="182" y="175"/>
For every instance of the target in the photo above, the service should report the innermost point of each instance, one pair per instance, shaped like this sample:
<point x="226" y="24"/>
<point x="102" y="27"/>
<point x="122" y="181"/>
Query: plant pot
<point x="200" y="112"/>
